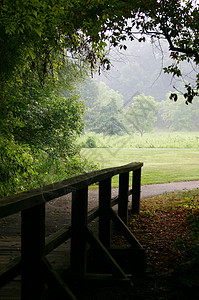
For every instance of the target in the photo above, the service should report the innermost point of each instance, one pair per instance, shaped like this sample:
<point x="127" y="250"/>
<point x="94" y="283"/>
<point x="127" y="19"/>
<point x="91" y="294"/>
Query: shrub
<point x="90" y="143"/>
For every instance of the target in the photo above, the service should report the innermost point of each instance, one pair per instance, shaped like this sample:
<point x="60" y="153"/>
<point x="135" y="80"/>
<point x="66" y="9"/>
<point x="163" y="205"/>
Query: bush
<point x="17" y="170"/>
<point x="90" y="143"/>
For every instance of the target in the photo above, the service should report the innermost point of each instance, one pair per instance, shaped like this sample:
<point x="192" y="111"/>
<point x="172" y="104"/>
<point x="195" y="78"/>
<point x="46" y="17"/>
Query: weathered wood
<point x="136" y="191"/>
<point x="124" y="229"/>
<point x="56" y="239"/>
<point x="104" y="208"/>
<point x="34" y="267"/>
<point x="123" y="196"/>
<point x="96" y="243"/>
<point x="78" y="226"/>
<point x="16" y="203"/>
<point x="9" y="271"/>
<point x="32" y="251"/>
<point x="56" y="284"/>
<point x="94" y="213"/>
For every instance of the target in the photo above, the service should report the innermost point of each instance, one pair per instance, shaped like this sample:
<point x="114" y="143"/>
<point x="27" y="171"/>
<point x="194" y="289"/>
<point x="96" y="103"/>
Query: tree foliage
<point x="41" y="115"/>
<point x="34" y="33"/>
<point x="177" y="116"/>
<point x="39" y="127"/>
<point x="107" y="113"/>
<point x="104" y="108"/>
<point x="142" y="114"/>
<point x="176" y="21"/>
<point x="16" y="168"/>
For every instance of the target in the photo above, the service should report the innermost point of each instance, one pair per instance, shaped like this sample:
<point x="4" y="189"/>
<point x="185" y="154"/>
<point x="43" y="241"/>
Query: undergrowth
<point x="168" y="229"/>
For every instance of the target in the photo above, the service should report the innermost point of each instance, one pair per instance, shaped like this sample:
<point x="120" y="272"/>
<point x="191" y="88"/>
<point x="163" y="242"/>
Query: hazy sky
<point x="139" y="70"/>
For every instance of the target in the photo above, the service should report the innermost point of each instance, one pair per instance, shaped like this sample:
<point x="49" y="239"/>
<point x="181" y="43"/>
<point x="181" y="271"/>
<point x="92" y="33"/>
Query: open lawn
<point x="160" y="165"/>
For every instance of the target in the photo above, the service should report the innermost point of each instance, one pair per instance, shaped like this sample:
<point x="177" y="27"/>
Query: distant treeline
<point x="108" y="112"/>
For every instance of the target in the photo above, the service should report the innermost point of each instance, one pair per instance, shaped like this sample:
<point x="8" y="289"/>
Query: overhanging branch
<point x="187" y="51"/>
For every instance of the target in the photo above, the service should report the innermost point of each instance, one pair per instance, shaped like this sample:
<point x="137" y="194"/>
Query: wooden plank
<point x="16" y="203"/>
<point x="11" y="291"/>
<point x="78" y="226"/>
<point x="56" y="239"/>
<point x="94" y="213"/>
<point x="9" y="271"/>
<point x="124" y="229"/>
<point x="123" y="196"/>
<point x="104" y="208"/>
<point x="32" y="251"/>
<point x="136" y="191"/>
<point x="32" y="205"/>
<point x="96" y="243"/>
<point x="57" y="285"/>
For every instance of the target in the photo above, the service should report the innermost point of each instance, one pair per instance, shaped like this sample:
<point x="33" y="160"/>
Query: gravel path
<point x="147" y="191"/>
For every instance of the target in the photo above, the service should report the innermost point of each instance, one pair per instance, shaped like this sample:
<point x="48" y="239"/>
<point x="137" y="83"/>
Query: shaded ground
<point x="165" y="232"/>
<point x="164" y="228"/>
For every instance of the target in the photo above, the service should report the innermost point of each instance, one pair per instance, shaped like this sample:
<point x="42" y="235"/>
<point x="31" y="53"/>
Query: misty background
<point x="133" y="96"/>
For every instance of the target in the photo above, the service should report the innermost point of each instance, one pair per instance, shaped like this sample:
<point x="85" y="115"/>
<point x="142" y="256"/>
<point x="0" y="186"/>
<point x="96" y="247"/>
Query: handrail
<point x="19" y="202"/>
<point x="33" y="265"/>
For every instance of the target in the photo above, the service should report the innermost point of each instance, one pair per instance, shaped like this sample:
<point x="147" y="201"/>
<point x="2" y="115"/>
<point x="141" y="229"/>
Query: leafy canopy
<point x="34" y="33"/>
<point x="177" y="117"/>
<point x="39" y="127"/>
<point x="175" y="21"/>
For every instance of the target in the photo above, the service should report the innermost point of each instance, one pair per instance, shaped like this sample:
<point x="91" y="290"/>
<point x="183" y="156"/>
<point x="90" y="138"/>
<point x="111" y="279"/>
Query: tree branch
<point x="178" y="49"/>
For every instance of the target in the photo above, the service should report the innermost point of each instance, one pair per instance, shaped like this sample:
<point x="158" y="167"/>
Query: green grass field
<point x="160" y="165"/>
<point x="161" y="139"/>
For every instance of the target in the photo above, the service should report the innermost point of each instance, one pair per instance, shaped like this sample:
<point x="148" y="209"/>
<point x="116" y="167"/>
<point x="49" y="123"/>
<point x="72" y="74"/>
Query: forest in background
<point x="134" y="95"/>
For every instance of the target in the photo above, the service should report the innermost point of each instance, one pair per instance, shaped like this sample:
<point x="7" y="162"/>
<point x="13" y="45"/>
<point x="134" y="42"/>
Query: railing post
<point x="123" y="196"/>
<point x="32" y="251"/>
<point x="136" y="187"/>
<point x="104" y="212"/>
<point x="78" y="235"/>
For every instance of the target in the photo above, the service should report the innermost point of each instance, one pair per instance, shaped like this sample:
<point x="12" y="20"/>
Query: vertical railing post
<point x="104" y="212"/>
<point x="78" y="236"/>
<point x="136" y="188"/>
<point x="32" y="251"/>
<point x="123" y="196"/>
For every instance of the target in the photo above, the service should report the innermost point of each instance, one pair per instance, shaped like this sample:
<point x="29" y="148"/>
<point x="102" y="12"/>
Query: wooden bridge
<point x="92" y="257"/>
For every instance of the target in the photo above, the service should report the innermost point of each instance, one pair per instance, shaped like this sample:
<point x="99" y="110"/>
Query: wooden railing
<point x="35" y="270"/>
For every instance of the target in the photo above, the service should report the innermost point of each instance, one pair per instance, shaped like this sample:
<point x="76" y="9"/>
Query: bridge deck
<point x="10" y="248"/>
<point x="57" y="215"/>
